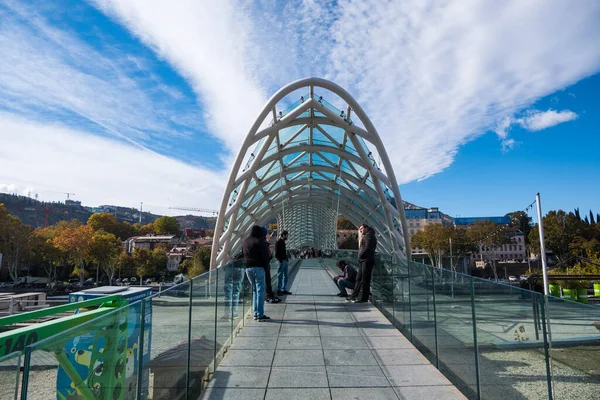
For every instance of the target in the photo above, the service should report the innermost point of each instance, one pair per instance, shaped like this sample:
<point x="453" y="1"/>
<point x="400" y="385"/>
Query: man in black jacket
<point x="282" y="271"/>
<point x="256" y="255"/>
<point x="366" y="261"/>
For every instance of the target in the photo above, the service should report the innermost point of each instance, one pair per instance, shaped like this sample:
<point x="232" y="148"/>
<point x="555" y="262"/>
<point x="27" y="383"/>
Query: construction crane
<point x="67" y="193"/>
<point x="204" y="210"/>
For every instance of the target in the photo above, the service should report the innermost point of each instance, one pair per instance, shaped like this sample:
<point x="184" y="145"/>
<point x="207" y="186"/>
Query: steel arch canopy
<point x="304" y="162"/>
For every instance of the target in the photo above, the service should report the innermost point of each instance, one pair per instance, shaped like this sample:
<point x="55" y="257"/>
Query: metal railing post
<point x="475" y="345"/>
<point x="189" y="347"/>
<point x="547" y="342"/>
<point x="140" y="374"/>
<point x="435" y="321"/>
<point x="410" y="304"/>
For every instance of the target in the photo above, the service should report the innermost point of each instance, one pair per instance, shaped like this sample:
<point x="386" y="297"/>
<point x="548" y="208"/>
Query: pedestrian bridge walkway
<point x="317" y="346"/>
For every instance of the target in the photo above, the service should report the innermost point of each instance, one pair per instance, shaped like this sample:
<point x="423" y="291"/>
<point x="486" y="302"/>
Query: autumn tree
<point x="435" y="240"/>
<point x="490" y="237"/>
<point x="75" y="242"/>
<point x="147" y="229"/>
<point x="44" y="252"/>
<point x="149" y="263"/>
<point x="104" y="250"/>
<point x="164" y="225"/>
<point x="14" y="238"/>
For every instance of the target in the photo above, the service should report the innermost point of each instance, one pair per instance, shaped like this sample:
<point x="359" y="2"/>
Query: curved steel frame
<point x="337" y="178"/>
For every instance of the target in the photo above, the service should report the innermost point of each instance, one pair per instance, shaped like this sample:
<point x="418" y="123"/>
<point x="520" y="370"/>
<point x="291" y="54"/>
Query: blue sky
<point x="479" y="105"/>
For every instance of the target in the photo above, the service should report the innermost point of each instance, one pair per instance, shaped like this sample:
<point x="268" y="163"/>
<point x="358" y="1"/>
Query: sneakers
<point x="359" y="301"/>
<point x="283" y="292"/>
<point x="349" y="300"/>
<point x="273" y="300"/>
<point x="263" y="318"/>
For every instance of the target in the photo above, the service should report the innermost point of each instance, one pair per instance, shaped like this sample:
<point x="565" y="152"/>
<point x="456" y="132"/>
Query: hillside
<point x="34" y="213"/>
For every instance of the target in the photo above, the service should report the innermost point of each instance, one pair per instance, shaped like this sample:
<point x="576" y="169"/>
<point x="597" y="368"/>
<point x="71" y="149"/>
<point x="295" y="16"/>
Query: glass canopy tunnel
<point x="304" y="162"/>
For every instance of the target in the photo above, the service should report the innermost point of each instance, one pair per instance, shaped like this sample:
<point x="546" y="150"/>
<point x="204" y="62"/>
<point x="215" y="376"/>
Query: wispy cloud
<point x="50" y="74"/>
<point x="432" y="75"/>
<point x="533" y="120"/>
<point x="538" y="120"/>
<point x="80" y="161"/>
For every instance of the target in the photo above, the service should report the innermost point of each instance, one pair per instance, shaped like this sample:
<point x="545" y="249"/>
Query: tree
<point x="147" y="229"/>
<point x="559" y="230"/>
<point x="522" y="221"/>
<point x="490" y="237"/>
<point x="164" y="225"/>
<point x="106" y="222"/>
<point x="44" y="252"/>
<point x="14" y="238"/>
<point x="105" y="249"/>
<point x="149" y="263"/>
<point x="75" y="243"/>
<point x="462" y="245"/>
<point x="144" y="265"/>
<point x="435" y="240"/>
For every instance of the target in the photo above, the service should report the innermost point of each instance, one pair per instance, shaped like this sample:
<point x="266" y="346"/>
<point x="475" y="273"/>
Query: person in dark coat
<point x="256" y="256"/>
<point x="366" y="261"/>
<point x="282" y="257"/>
<point x="270" y="296"/>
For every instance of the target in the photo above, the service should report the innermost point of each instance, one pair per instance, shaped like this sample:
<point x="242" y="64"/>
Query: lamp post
<point x="542" y="244"/>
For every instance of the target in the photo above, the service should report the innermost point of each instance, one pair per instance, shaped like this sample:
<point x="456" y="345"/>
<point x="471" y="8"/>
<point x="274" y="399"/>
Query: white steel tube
<point x="542" y="244"/>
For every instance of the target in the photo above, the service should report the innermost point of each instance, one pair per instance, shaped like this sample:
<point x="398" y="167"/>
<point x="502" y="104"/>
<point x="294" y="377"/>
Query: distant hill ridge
<point x="33" y="212"/>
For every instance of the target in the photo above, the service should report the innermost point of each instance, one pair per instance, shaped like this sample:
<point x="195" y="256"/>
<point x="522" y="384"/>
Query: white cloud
<point x="508" y="144"/>
<point x="534" y="120"/>
<point x="432" y="76"/>
<point x="49" y="74"/>
<point x="538" y="120"/>
<point x="100" y="171"/>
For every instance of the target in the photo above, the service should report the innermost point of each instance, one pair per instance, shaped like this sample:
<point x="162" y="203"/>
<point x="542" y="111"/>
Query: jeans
<point x="234" y="277"/>
<point x="344" y="284"/>
<point x="282" y="275"/>
<point x="256" y="276"/>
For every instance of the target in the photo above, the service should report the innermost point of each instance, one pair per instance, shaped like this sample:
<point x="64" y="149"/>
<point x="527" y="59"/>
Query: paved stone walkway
<point x="317" y="346"/>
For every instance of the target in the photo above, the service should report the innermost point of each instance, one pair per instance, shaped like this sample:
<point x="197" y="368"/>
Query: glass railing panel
<point x="382" y="286"/>
<point x="170" y="336"/>
<point x="401" y="300"/>
<point x="575" y="348"/>
<point x="97" y="359"/>
<point x="510" y="341"/>
<point x="422" y="309"/>
<point x="455" y="340"/>
<point x="10" y="367"/>
<point x="203" y="342"/>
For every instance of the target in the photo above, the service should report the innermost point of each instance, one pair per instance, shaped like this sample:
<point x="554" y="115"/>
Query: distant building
<point x="149" y="242"/>
<point x="418" y="218"/>
<point x="191" y="233"/>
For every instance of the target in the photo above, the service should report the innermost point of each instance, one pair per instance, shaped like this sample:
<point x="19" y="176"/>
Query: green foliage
<point x="14" y="240"/>
<point x="165" y="225"/>
<point x="521" y="221"/>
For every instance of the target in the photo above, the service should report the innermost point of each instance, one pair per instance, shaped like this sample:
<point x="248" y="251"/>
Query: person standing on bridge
<point x="366" y="261"/>
<point x="282" y="257"/>
<point x="256" y="256"/>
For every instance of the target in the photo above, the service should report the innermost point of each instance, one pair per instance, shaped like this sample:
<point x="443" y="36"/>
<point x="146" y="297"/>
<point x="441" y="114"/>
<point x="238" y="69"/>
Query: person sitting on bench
<point x="347" y="280"/>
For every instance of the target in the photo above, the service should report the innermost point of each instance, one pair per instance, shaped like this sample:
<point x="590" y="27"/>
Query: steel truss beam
<point x="304" y="184"/>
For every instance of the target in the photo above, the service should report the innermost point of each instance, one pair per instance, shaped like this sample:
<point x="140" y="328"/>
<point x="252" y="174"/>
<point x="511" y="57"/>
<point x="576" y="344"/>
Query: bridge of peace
<point x="426" y="333"/>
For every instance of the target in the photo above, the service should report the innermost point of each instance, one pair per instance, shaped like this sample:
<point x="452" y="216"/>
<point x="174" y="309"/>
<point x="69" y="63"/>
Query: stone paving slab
<point x="317" y="346"/>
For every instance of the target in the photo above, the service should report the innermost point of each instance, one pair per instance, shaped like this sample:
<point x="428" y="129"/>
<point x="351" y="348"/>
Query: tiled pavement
<point x="316" y="346"/>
